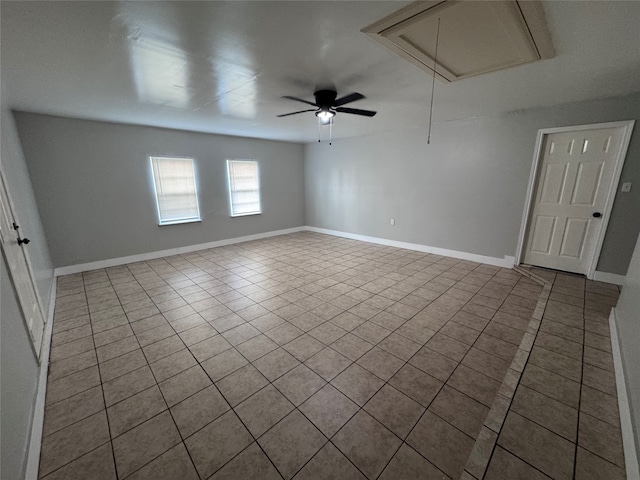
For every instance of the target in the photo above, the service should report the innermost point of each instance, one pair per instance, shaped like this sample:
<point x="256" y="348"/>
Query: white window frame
<point x="161" y="222"/>
<point x="229" y="187"/>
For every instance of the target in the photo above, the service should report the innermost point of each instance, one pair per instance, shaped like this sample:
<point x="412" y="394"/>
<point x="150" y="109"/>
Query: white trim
<point x="245" y="214"/>
<point x="609" y="278"/>
<point x="37" y="422"/>
<point x="112" y="262"/>
<point x="626" y="138"/>
<point x="506" y="262"/>
<point x="178" y="222"/>
<point x="529" y="198"/>
<point x="628" y="439"/>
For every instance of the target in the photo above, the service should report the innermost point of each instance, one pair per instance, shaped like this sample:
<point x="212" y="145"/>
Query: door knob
<point x="597" y="214"/>
<point x="20" y="240"/>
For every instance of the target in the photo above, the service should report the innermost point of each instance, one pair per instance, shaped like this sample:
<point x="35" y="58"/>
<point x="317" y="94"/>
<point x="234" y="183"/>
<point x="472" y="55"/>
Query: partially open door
<point x="14" y="246"/>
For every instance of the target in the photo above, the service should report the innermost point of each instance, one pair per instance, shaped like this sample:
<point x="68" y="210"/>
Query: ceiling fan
<point x="327" y="105"/>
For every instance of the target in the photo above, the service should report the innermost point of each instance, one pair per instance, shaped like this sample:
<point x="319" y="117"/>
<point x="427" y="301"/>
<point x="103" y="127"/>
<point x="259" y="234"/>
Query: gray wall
<point x="94" y="187"/>
<point x="628" y="322"/>
<point x="19" y="379"/>
<point x="466" y="190"/>
<point x="18" y="383"/>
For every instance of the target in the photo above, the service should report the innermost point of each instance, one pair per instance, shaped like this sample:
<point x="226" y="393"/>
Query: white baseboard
<point x="37" y="422"/>
<point x="113" y="262"/>
<point x="609" y="278"/>
<point x="506" y="262"/>
<point x="628" y="439"/>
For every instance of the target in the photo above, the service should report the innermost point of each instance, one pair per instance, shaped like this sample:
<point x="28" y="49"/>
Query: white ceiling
<point x="222" y="67"/>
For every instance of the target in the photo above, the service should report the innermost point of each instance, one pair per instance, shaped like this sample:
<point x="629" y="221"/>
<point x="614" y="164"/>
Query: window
<point x="175" y="187"/>
<point x="244" y="187"/>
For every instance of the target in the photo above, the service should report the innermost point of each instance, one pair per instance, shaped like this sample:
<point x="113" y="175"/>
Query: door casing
<point x="611" y="194"/>
<point x="10" y="209"/>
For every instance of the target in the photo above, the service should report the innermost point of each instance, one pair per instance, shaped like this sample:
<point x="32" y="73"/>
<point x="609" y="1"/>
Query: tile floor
<point x="563" y="421"/>
<point x="309" y="356"/>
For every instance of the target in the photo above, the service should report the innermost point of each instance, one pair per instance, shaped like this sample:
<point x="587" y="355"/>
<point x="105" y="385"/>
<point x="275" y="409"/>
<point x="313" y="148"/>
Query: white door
<point x="19" y="269"/>
<point x="575" y="179"/>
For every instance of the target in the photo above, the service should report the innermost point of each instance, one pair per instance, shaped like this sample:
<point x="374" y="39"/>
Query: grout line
<point x="104" y="400"/>
<point x="575" y="452"/>
<point x="525" y="462"/>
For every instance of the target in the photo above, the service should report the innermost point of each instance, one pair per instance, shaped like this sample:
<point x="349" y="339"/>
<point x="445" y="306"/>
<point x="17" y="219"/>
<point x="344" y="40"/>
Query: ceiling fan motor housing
<point x="325" y="98"/>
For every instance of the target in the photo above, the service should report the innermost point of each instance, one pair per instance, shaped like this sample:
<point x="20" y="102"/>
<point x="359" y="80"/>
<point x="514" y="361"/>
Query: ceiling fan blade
<point x="300" y="100"/>
<point x="295" y="113"/>
<point x="356" y="111"/>
<point x="352" y="97"/>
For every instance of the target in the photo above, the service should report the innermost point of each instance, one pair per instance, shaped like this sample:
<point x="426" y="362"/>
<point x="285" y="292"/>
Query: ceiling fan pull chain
<point x="433" y="83"/>
<point x="330" y="130"/>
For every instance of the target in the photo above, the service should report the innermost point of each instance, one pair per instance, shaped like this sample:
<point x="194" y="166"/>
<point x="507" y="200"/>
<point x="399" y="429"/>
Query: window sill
<point x="178" y="222"/>
<point x="246" y="214"/>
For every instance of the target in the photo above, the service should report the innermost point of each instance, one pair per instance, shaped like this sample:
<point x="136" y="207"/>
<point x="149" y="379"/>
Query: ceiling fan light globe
<point x="325" y="116"/>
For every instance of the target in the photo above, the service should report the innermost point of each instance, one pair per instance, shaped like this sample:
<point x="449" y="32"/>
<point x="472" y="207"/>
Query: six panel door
<point x="573" y="183"/>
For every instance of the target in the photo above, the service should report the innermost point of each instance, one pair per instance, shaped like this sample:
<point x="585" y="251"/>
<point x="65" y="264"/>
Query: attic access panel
<point x="476" y="37"/>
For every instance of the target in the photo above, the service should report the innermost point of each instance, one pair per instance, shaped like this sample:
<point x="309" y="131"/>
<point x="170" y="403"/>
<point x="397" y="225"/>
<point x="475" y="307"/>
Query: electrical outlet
<point x="392" y="221"/>
<point x="626" y="187"/>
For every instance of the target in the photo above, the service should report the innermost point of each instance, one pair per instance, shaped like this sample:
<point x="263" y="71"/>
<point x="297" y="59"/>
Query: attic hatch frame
<point x="528" y="15"/>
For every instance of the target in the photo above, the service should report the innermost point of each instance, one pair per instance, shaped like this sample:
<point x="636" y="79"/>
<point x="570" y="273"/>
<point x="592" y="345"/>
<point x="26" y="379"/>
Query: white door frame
<point x="611" y="194"/>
